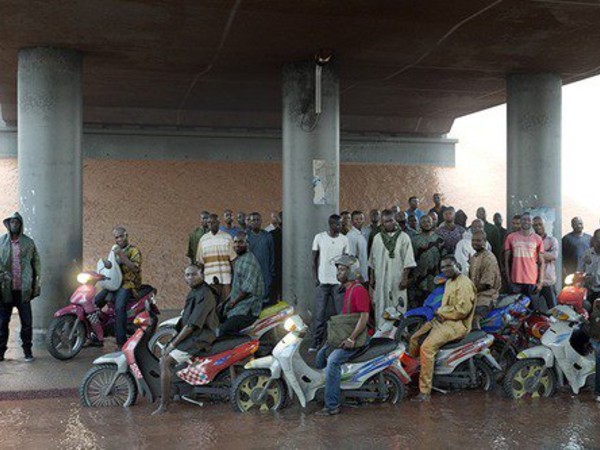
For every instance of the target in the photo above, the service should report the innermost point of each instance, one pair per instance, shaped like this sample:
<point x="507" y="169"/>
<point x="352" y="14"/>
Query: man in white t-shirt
<point x="327" y="246"/>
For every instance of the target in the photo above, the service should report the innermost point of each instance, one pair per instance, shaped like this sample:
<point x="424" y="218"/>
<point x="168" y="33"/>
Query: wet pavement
<point x="459" y="420"/>
<point x="39" y="409"/>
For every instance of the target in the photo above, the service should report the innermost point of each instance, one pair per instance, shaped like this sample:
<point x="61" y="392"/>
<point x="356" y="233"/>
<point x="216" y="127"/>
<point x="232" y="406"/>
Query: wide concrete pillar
<point x="50" y="169"/>
<point x="534" y="145"/>
<point x="311" y="159"/>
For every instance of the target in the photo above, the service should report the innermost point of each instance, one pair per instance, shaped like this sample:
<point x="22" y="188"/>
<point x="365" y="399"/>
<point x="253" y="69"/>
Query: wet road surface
<point x="457" y="420"/>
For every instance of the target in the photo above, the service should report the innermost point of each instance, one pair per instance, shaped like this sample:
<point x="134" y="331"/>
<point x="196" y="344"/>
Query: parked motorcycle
<point x="271" y="319"/>
<point x="561" y="359"/>
<point x="117" y="378"/>
<point x="417" y="317"/>
<point x="268" y="383"/>
<point x="82" y="320"/>
<point x="574" y="293"/>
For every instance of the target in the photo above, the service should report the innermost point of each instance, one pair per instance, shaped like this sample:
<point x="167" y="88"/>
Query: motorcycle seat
<point x="471" y="337"/>
<point x="505" y="300"/>
<point x="376" y="347"/>
<point x="225" y="343"/>
<point x="144" y="290"/>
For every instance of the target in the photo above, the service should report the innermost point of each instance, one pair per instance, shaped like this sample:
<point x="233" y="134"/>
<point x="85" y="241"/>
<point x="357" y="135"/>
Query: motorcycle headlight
<point x="293" y="323"/>
<point x="84" y="278"/>
<point x="569" y="279"/>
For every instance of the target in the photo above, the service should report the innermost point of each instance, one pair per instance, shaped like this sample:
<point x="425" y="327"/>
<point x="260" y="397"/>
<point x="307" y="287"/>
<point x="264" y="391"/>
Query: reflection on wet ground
<point x="458" y="420"/>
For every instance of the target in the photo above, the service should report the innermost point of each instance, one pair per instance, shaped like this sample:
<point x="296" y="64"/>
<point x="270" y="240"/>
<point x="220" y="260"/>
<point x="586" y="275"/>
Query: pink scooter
<point x="82" y="320"/>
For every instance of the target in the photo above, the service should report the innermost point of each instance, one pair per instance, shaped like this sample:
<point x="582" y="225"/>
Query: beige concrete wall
<point x="159" y="201"/>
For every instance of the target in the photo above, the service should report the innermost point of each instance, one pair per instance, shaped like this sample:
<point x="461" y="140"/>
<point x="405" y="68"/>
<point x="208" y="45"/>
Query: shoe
<point x="329" y="412"/>
<point x="28" y="358"/>
<point x="422" y="398"/>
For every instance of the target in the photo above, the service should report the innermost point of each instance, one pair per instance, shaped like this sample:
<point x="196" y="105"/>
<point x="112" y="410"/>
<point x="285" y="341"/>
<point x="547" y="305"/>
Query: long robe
<point x="388" y="273"/>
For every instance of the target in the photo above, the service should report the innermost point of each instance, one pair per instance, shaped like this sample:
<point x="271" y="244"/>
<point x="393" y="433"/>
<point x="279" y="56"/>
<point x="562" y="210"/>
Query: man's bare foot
<point x="160" y="410"/>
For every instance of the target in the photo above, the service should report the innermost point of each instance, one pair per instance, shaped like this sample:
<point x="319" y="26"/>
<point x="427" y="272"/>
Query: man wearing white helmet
<point x="356" y="301"/>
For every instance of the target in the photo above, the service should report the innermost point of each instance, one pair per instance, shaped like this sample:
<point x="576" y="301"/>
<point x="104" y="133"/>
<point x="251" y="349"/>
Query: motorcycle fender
<point x="71" y="309"/>
<point x="267" y="362"/>
<point x="399" y="370"/>
<point x="538" y="352"/>
<point x="421" y="311"/>
<point x="117" y="358"/>
<point x="490" y="359"/>
<point x="170" y="323"/>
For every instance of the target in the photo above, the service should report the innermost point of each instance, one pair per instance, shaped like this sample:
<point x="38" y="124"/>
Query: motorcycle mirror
<point x="401" y="302"/>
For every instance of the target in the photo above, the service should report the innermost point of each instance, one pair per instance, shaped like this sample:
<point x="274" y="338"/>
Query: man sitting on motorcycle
<point x="244" y="304"/>
<point x="356" y="300"/>
<point x="485" y="275"/>
<point x="129" y="259"/>
<point x="452" y="321"/>
<point x="197" y="331"/>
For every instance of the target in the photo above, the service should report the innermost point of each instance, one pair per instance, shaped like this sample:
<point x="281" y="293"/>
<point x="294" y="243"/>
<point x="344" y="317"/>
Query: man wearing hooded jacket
<point x="20" y="280"/>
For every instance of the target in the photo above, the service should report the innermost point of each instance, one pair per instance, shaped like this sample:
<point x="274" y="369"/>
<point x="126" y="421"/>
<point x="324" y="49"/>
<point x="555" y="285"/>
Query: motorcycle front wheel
<point x="65" y="337"/>
<point x="161" y="338"/>
<point x="529" y="378"/>
<point x="103" y="386"/>
<point x="248" y="387"/>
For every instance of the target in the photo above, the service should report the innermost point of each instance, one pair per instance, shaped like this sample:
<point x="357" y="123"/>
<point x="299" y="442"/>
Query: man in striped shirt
<point x="215" y="256"/>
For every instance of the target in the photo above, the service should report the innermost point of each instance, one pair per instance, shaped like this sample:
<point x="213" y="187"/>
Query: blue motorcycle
<point x="494" y="322"/>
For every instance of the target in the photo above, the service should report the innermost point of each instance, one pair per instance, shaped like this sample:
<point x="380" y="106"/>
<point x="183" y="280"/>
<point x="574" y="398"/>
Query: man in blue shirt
<point x="261" y="244"/>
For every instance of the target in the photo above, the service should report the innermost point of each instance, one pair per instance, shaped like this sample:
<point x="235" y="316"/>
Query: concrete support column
<point x="534" y="146"/>
<point x="311" y="160"/>
<point x="50" y="169"/>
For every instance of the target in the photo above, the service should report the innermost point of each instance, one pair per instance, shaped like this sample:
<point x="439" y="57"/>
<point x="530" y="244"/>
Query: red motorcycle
<point x="117" y="378"/>
<point x="574" y="294"/>
<point x="74" y="324"/>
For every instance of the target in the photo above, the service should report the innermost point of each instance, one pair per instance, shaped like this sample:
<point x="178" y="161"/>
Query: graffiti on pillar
<point x="521" y="204"/>
<point x="324" y="182"/>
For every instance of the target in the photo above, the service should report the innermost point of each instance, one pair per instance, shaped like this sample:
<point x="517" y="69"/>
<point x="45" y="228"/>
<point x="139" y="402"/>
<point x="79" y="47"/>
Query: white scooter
<point x="559" y="361"/>
<point x="374" y="375"/>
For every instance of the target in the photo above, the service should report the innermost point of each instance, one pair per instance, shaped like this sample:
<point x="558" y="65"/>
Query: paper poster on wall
<point x="549" y="216"/>
<point x="324" y="182"/>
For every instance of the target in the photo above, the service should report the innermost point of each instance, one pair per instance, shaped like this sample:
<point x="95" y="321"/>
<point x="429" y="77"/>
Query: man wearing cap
<point x="356" y="300"/>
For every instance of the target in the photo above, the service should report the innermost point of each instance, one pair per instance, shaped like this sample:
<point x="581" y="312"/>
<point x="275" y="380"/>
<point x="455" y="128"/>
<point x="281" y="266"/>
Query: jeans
<point x="328" y="301"/>
<point x="596" y="344"/>
<point x="333" y="372"/>
<point x="548" y="293"/>
<point x="122" y="296"/>
<point x="24" y="309"/>
<point x="233" y="325"/>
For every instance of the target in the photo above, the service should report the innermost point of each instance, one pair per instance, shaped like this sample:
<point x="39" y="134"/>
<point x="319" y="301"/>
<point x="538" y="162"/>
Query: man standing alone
<point x="574" y="246"/>
<point x="20" y="270"/>
<point x="262" y="246"/>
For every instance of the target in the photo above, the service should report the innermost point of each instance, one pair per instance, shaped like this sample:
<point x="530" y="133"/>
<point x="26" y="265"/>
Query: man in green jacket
<point x="20" y="279"/>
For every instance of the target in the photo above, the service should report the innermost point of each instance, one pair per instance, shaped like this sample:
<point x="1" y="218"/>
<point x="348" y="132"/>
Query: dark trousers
<point x="121" y="297"/>
<point x="329" y="301"/>
<point x="24" y="309"/>
<point x="548" y="293"/>
<point x="233" y="325"/>
<point x="596" y="344"/>
<point x="529" y="291"/>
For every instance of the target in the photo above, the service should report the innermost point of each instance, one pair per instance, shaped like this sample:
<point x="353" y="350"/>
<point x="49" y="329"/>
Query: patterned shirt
<point x="15" y="255"/>
<point x="215" y="253"/>
<point x="247" y="277"/>
<point x="131" y="279"/>
<point x="451" y="237"/>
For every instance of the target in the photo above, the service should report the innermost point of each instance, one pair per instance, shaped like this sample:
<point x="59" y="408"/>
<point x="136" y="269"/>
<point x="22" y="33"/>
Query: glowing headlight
<point x="293" y="323"/>
<point x="569" y="279"/>
<point x="84" y="278"/>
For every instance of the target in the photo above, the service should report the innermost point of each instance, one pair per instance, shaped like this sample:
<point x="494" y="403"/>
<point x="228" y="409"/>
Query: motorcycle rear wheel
<point x="92" y="391"/>
<point x="520" y="380"/>
<point x="396" y="389"/>
<point x="484" y="375"/>
<point x="161" y="338"/>
<point x="249" y="384"/>
<point x="57" y="338"/>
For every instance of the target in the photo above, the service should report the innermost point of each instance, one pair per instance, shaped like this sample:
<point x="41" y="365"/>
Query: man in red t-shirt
<point x="356" y="300"/>
<point x="523" y="259"/>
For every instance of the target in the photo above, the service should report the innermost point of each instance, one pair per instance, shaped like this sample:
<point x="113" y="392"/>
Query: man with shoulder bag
<point x="346" y="332"/>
